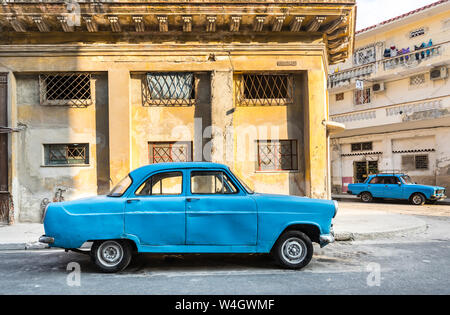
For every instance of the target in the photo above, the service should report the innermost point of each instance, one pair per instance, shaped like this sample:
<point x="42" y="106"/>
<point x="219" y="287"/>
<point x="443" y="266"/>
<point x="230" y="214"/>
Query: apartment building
<point x="393" y="97"/>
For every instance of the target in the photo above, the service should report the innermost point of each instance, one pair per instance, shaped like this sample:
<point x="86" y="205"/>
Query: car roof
<point x="399" y="174"/>
<point x="145" y="170"/>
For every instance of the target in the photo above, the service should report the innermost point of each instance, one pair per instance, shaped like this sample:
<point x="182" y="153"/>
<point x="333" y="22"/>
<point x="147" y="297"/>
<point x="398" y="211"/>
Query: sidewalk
<point x="21" y="236"/>
<point x="362" y="224"/>
<point x="350" y="224"/>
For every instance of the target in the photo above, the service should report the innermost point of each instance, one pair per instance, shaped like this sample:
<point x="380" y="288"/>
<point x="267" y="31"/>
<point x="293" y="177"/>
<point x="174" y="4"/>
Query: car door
<point x="376" y="187"/>
<point x="392" y="187"/>
<point x="155" y="212"/>
<point x="218" y="211"/>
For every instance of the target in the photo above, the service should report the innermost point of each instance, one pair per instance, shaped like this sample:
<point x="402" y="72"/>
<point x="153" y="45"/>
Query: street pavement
<point x="411" y="263"/>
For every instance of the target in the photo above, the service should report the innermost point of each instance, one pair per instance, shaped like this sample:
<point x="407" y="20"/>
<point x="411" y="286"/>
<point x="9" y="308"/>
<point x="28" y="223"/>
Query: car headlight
<point x="336" y="207"/>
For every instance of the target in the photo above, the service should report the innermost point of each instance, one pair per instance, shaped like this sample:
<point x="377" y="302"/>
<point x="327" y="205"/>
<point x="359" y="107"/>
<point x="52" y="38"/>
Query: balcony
<point x="388" y="66"/>
<point x="412" y="59"/>
<point x="345" y="77"/>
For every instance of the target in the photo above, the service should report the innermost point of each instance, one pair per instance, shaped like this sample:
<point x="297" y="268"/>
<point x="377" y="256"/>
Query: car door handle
<point x="133" y="200"/>
<point x="192" y="199"/>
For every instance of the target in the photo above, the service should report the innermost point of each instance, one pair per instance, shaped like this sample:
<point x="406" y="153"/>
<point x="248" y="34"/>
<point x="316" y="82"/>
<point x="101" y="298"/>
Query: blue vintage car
<point x="189" y="208"/>
<point x="396" y="186"/>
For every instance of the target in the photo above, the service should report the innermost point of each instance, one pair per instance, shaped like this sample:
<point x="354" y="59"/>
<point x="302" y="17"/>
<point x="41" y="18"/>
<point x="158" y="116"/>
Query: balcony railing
<point x="344" y="77"/>
<point x="409" y="60"/>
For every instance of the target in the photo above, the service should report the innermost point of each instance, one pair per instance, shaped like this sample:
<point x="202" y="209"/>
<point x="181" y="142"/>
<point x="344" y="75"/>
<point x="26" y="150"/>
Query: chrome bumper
<point x="438" y="198"/>
<point x="326" y="239"/>
<point x="46" y="239"/>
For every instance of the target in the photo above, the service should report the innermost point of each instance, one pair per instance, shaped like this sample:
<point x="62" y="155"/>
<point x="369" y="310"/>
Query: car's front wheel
<point x="293" y="250"/>
<point x="111" y="255"/>
<point x="418" y="199"/>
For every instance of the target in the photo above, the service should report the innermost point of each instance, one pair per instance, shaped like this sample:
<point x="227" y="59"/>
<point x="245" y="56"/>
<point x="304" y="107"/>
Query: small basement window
<point x="264" y="89"/>
<point x="276" y="155"/>
<point x="69" y="89"/>
<point x="66" y="154"/>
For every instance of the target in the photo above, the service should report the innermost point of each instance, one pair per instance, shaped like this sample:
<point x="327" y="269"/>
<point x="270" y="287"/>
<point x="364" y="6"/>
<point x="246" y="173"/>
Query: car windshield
<point x="248" y="189"/>
<point x="121" y="187"/>
<point x="407" y="180"/>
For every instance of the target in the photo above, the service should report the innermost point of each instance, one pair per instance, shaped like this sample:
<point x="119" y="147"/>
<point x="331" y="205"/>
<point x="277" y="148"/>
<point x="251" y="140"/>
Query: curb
<point x="349" y="236"/>
<point x="23" y="246"/>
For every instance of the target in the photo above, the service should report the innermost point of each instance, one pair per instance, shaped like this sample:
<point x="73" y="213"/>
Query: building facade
<point x="393" y="97"/>
<point x="90" y="90"/>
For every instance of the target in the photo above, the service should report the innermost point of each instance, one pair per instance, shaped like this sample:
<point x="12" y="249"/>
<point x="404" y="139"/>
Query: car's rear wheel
<point x="293" y="250"/>
<point x="111" y="255"/>
<point x="418" y="199"/>
<point x="366" y="197"/>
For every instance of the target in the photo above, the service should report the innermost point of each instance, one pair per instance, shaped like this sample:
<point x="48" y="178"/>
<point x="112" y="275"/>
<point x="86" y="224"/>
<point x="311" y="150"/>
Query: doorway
<point x="361" y="170"/>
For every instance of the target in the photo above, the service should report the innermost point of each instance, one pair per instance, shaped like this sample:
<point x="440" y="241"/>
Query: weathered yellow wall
<point x="132" y="126"/>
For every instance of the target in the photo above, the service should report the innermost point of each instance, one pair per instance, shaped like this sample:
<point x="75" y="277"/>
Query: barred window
<point x="66" y="154"/>
<point x="70" y="89"/>
<point x="160" y="152"/>
<point x="339" y="97"/>
<point x="264" y="89"/>
<point x="416" y="80"/>
<point x="277" y="155"/>
<point x="364" y="56"/>
<point x="362" y="96"/>
<point x="417" y="33"/>
<point x="362" y="146"/>
<point x="168" y="89"/>
<point x="421" y="162"/>
<point x="415" y="162"/>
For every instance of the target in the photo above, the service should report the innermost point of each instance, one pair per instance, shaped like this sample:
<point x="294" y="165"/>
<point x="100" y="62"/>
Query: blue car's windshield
<point x="407" y="180"/>
<point x="121" y="187"/>
<point x="248" y="189"/>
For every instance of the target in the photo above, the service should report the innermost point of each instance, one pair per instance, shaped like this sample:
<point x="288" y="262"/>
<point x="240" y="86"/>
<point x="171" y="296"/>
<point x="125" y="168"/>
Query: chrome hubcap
<point x="365" y="197"/>
<point x="294" y="250"/>
<point x="417" y="199"/>
<point x="110" y="253"/>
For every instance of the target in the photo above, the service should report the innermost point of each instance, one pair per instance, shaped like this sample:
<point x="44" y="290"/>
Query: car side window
<point x="211" y="182"/>
<point x="391" y="180"/>
<point x="161" y="184"/>
<point x="376" y="180"/>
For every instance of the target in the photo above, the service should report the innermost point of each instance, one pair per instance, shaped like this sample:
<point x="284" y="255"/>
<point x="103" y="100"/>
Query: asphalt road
<point x="409" y="264"/>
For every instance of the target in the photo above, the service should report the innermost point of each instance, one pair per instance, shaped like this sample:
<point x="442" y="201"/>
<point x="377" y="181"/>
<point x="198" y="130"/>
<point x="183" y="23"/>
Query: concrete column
<point x="222" y="109"/>
<point x="119" y="111"/>
<point x="316" y="153"/>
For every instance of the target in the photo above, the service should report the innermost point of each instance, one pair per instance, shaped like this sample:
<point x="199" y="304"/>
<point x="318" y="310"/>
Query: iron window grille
<point x="274" y="155"/>
<point x="364" y="56"/>
<point x="417" y="33"/>
<point x="362" y="96"/>
<point x="169" y="89"/>
<point x="66" y="154"/>
<point x="264" y="89"/>
<point x="416" y="80"/>
<point x="68" y="89"/>
<point x="160" y="152"/>
<point x="339" y="97"/>
<point x="415" y="162"/>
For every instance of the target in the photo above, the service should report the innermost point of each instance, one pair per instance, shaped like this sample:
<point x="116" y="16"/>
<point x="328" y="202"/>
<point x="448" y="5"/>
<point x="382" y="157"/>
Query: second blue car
<point x="396" y="186"/>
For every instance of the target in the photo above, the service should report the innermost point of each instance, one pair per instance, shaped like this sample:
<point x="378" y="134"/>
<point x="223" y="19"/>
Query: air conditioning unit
<point x="439" y="73"/>
<point x="378" y="87"/>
